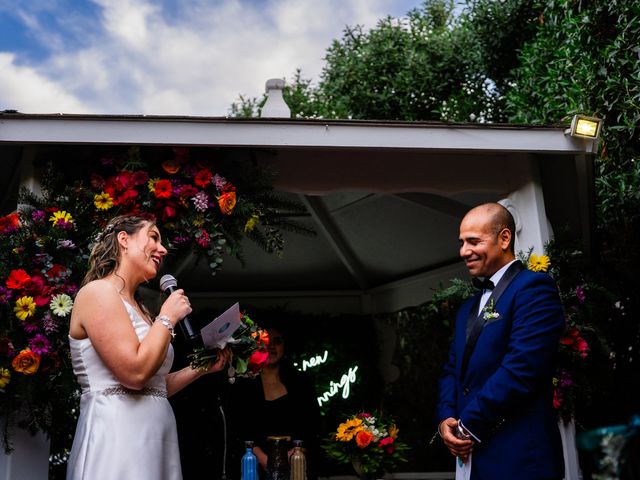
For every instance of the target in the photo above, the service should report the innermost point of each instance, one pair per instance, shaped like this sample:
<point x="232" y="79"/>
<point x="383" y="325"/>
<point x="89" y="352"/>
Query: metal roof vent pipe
<point x="275" y="106"/>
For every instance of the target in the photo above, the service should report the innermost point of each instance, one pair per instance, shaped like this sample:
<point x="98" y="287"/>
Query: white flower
<point x="489" y="312"/>
<point x="61" y="304"/>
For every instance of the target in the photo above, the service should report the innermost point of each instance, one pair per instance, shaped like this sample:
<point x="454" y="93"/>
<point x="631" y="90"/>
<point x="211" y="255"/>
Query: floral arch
<point x="205" y="204"/>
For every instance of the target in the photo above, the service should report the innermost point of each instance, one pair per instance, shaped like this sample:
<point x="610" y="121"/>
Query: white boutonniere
<point x="489" y="311"/>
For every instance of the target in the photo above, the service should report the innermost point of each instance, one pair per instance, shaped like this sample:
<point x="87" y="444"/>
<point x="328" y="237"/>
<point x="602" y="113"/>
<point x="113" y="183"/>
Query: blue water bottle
<point x="249" y="463"/>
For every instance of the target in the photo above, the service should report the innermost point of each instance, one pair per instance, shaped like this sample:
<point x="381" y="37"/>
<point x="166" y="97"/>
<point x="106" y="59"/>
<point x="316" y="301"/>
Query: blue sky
<point x="165" y="57"/>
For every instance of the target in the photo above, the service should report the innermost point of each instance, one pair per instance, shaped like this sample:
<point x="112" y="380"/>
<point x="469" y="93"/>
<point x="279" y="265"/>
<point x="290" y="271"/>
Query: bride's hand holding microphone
<point x="176" y="307"/>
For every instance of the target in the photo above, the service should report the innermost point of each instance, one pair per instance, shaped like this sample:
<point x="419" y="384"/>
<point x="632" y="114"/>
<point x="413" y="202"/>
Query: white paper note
<point x="219" y="332"/>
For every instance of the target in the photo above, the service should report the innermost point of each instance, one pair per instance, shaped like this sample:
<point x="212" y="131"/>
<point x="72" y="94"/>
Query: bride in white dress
<point x="122" y="357"/>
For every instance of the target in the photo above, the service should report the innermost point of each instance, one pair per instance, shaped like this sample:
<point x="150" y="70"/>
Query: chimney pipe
<point x="275" y="106"/>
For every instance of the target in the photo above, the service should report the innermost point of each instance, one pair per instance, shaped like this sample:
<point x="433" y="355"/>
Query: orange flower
<point x="227" y="202"/>
<point x="162" y="189"/>
<point x="18" y="279"/>
<point x="363" y="438"/>
<point x="26" y="362"/>
<point x="171" y="166"/>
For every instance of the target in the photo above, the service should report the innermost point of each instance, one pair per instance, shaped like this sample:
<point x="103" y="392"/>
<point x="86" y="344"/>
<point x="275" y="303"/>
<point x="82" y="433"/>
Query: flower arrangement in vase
<point x="367" y="441"/>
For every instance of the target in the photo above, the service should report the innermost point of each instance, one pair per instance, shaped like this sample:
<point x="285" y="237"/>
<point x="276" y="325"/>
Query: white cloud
<point x="195" y="63"/>
<point x="23" y="89"/>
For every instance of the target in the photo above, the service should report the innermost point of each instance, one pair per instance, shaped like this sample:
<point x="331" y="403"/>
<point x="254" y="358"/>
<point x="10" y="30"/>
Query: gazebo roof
<point x="385" y="197"/>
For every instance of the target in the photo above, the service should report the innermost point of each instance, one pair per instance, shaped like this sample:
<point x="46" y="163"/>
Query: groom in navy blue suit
<point x="495" y="404"/>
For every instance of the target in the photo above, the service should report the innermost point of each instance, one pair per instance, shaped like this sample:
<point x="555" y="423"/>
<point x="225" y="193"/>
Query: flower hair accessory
<point x="108" y="229"/>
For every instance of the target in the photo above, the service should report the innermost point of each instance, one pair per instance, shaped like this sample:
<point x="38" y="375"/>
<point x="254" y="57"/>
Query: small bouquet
<point x="248" y="346"/>
<point x="369" y="442"/>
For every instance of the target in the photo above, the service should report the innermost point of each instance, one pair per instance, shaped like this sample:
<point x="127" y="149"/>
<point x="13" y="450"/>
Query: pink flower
<point x="40" y="344"/>
<point x="202" y="238"/>
<point x="38" y="216"/>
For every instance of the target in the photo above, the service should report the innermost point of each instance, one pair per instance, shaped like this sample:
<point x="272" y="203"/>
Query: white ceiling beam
<point x="278" y="133"/>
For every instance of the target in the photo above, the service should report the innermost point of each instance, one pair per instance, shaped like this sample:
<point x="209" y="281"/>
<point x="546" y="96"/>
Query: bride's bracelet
<point x="164" y="320"/>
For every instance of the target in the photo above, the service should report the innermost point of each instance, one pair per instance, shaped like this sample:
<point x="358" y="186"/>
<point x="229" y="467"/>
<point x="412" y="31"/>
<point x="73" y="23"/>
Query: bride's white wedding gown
<point x="122" y="433"/>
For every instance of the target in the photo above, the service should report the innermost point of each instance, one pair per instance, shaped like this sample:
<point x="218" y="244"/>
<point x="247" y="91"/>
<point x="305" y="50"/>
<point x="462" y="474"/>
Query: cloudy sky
<point x="165" y="57"/>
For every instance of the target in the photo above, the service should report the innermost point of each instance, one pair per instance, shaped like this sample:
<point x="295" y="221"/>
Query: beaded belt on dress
<point x="146" y="391"/>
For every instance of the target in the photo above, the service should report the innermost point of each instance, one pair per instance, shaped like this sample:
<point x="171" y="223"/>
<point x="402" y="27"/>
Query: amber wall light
<point x="585" y="127"/>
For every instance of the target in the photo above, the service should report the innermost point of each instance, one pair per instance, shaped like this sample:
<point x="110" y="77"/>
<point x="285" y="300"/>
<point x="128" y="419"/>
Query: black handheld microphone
<point x="168" y="284"/>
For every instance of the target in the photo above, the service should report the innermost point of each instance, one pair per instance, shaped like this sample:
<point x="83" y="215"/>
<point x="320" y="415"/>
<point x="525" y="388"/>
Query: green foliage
<point x="402" y="69"/>
<point x="585" y="59"/>
<point x="423" y="338"/>
<point x="425" y="66"/>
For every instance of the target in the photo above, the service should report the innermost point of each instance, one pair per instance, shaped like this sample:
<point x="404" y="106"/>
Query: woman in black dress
<point x="280" y="402"/>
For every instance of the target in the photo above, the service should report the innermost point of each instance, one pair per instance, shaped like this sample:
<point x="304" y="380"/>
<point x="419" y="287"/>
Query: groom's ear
<point x="504" y="239"/>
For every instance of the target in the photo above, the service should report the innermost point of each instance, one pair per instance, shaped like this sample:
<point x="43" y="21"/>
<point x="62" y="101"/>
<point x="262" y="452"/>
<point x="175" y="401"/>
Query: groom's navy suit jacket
<point x="503" y="393"/>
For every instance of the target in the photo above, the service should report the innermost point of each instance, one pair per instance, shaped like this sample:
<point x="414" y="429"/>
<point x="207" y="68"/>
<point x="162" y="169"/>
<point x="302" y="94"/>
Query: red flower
<point x="167" y="211"/>
<point x="385" y="441"/>
<point x="258" y="360"/>
<point x="162" y="189"/>
<point x="9" y="223"/>
<point x="203" y="238"/>
<point x="56" y="271"/>
<point x="557" y="399"/>
<point x="188" y="191"/>
<point x="128" y="199"/>
<point x="388" y="445"/>
<point x="38" y="289"/>
<point x="140" y="177"/>
<point x="123" y="181"/>
<point x="203" y="178"/>
<point x="18" y="279"/>
<point x="573" y="340"/>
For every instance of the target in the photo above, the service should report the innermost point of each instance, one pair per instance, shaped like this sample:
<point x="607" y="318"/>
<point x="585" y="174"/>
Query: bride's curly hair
<point x="105" y="254"/>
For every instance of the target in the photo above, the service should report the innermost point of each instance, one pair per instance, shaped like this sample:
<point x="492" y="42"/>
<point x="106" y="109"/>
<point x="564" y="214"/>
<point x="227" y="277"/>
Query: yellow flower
<point x="61" y="216"/>
<point x="348" y="429"/>
<point x="251" y="223"/>
<point x="539" y="263"/>
<point x="5" y="377"/>
<point x="151" y="184"/>
<point x="103" y="201"/>
<point x="25" y="307"/>
<point x="198" y="221"/>
<point x="393" y="431"/>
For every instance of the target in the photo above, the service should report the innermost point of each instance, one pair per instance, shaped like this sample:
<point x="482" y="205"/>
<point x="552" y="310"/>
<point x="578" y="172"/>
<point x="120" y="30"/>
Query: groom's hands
<point x="459" y="447"/>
